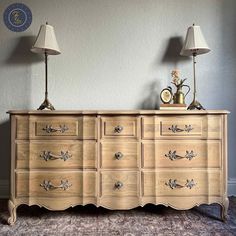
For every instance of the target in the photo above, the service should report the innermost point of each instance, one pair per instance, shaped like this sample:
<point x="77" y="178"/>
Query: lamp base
<point x="46" y="105"/>
<point x="195" y="105"/>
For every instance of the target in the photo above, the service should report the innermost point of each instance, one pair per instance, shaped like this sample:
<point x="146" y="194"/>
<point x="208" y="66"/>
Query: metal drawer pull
<point x="173" y="156"/>
<point x="118" y="185"/>
<point x="118" y="129"/>
<point x="47" y="155"/>
<point x="173" y="184"/>
<point x="175" y="129"/>
<point x="118" y="155"/>
<point x="47" y="185"/>
<point x="50" y="129"/>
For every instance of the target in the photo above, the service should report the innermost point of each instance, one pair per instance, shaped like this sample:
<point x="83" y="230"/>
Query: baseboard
<point x="4" y="188"/>
<point x="232" y="187"/>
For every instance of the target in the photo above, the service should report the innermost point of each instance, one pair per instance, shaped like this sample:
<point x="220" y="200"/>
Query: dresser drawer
<point x="56" y="127"/>
<point x="177" y="126"/>
<point x="59" y="127"/>
<point x="119" y="183"/>
<point x="56" y="154"/>
<point x="55" y="184"/>
<point x="180" y="126"/>
<point x="119" y="155"/>
<point x="181" y="183"/>
<point x="181" y="153"/>
<point x="119" y="126"/>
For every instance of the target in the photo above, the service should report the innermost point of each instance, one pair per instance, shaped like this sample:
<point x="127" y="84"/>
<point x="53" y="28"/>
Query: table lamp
<point x="194" y="45"/>
<point x="46" y="44"/>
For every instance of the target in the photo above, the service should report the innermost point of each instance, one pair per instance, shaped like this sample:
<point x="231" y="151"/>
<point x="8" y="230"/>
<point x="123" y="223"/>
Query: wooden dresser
<point x="118" y="159"/>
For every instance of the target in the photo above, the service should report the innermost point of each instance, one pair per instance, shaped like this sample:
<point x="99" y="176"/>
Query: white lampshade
<point x="194" y="42"/>
<point x="46" y="41"/>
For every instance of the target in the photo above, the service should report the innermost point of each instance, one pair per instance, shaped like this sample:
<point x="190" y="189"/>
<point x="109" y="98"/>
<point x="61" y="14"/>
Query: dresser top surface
<point x="117" y="112"/>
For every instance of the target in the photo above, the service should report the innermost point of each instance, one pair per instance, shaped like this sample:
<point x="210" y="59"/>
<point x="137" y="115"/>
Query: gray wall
<point x="117" y="54"/>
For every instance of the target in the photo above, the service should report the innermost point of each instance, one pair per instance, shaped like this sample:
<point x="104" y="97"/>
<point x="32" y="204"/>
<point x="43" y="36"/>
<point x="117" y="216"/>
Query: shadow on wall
<point x="5" y="144"/>
<point x="151" y="96"/>
<point x="21" y="53"/>
<point x="171" y="56"/>
<point x="172" y="52"/>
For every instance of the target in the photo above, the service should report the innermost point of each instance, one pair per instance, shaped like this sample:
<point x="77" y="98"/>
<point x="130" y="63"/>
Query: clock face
<point x="166" y="95"/>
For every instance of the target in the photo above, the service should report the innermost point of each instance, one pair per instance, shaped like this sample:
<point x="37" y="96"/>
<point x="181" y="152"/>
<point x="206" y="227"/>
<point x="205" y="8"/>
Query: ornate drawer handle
<point x="173" y="156"/>
<point x="47" y="155"/>
<point x="47" y="185"/>
<point x="118" y="129"/>
<point x="50" y="129"/>
<point x="175" y="129"/>
<point x="118" y="185"/>
<point x="118" y="155"/>
<point x="173" y="184"/>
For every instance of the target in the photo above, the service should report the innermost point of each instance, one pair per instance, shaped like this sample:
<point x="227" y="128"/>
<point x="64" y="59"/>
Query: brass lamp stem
<point x="194" y="77"/>
<point x="195" y="104"/>
<point x="46" y="74"/>
<point x="46" y="104"/>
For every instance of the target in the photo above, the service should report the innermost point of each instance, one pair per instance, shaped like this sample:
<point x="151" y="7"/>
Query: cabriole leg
<point x="12" y="211"/>
<point x="224" y="209"/>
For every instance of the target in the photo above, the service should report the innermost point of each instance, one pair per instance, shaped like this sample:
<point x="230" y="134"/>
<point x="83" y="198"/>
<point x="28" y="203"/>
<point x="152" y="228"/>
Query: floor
<point x="146" y="221"/>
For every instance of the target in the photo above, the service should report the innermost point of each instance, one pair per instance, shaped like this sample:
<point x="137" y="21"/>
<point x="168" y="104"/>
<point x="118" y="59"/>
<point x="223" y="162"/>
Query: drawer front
<point x="180" y="126"/>
<point x="56" y="154"/>
<point x="181" y="183"/>
<point x="56" y="127"/>
<point x="119" y="183"/>
<point x="119" y="155"/>
<point x="67" y="127"/>
<point x="186" y="153"/>
<point x="177" y="126"/>
<point x="55" y="184"/>
<point x="119" y="126"/>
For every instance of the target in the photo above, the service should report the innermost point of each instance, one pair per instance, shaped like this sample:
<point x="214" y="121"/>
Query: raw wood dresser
<point x="118" y="159"/>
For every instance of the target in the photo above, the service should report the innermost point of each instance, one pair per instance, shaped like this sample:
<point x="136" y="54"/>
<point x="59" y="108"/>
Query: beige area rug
<point x="146" y="221"/>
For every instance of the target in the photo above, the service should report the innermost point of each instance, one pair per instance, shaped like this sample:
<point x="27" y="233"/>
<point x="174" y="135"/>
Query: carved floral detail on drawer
<point x="48" y="155"/>
<point x="48" y="185"/>
<point x="176" y="129"/>
<point x="50" y="129"/>
<point x="172" y="183"/>
<point x="172" y="155"/>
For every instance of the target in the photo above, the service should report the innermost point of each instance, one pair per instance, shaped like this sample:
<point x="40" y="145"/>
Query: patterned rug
<point x="146" y="221"/>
